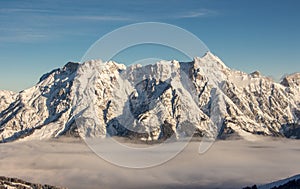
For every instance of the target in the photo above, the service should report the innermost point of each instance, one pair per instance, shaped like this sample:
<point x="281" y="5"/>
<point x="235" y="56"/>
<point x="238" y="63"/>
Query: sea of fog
<point x="227" y="164"/>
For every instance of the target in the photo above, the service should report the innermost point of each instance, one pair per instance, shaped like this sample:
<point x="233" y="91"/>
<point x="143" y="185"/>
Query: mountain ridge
<point x="152" y="102"/>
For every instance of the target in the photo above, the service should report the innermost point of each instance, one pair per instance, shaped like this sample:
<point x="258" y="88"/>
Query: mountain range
<point x="165" y="99"/>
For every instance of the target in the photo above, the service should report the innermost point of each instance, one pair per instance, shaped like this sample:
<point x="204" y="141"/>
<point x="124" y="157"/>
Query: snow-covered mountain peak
<point x="67" y="69"/>
<point x="99" y="66"/>
<point x="71" y="66"/>
<point x="209" y="59"/>
<point x="116" y="65"/>
<point x="292" y="80"/>
<point x="255" y="74"/>
<point x="152" y="102"/>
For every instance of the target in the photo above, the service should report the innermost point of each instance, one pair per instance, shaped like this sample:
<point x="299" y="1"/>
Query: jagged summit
<point x="69" y="67"/>
<point x="292" y="80"/>
<point x="255" y="74"/>
<point x="209" y="57"/>
<point x="152" y="102"/>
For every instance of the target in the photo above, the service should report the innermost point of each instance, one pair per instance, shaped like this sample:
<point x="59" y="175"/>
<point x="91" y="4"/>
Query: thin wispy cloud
<point x="34" y="23"/>
<point x="196" y="13"/>
<point x="24" y="37"/>
<point x="97" y="18"/>
<point x="62" y="15"/>
<point x="24" y="10"/>
<point x="40" y="25"/>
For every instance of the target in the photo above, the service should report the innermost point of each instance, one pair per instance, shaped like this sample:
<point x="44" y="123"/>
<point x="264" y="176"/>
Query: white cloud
<point x="24" y="37"/>
<point x="23" y="10"/>
<point x="98" y="18"/>
<point x="196" y="13"/>
<point x="34" y="24"/>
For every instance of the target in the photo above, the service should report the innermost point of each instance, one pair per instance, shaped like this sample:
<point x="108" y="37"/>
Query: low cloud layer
<point x="228" y="164"/>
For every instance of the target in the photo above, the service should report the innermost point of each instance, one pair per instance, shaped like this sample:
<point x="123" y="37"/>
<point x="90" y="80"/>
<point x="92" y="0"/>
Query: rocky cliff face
<point x="158" y="101"/>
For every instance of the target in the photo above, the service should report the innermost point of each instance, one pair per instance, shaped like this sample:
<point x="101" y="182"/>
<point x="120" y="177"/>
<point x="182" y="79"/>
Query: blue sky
<point x="38" y="36"/>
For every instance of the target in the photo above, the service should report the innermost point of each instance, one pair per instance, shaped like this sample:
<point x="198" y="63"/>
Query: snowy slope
<point x="279" y="182"/>
<point x="158" y="101"/>
<point x="6" y="97"/>
<point x="44" y="107"/>
<point x="14" y="183"/>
